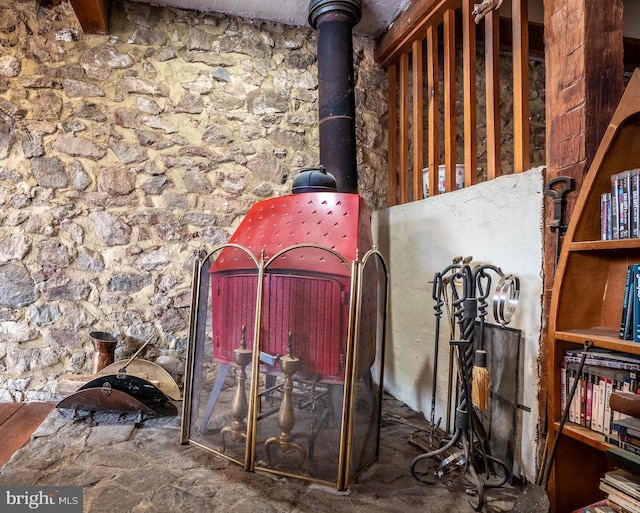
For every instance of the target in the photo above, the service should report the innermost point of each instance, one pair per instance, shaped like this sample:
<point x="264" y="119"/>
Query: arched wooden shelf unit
<point x="586" y="303"/>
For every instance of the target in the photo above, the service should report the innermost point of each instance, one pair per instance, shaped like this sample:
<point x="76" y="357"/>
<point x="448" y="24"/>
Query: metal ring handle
<point x="457" y="461"/>
<point x="505" y="299"/>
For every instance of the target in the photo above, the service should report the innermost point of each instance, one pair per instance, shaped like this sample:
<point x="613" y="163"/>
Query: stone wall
<point x="122" y="156"/>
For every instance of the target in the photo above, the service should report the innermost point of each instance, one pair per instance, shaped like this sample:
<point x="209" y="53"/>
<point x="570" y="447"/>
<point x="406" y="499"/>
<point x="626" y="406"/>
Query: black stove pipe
<point x="334" y="19"/>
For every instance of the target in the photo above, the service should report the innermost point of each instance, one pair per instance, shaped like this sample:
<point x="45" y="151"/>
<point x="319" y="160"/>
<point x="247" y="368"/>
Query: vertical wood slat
<point x="520" y="31"/>
<point x="470" y="94"/>
<point x="417" y="73"/>
<point x="433" y="109"/>
<point x="404" y="129"/>
<point x="492" y="72"/>
<point x="450" y="99"/>
<point x="392" y="185"/>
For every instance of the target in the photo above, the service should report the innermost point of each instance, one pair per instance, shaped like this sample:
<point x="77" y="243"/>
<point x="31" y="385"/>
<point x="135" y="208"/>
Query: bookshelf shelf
<point x="604" y="338"/>
<point x="604" y="245"/>
<point x="584" y="435"/>
<point x="586" y="304"/>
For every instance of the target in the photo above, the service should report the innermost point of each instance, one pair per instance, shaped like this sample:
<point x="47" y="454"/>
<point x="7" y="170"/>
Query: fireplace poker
<point x="436" y="294"/>
<point x="122" y="372"/>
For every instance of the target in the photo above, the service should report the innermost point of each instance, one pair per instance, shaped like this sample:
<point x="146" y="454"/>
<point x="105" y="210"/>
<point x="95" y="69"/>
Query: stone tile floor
<point x="125" y="467"/>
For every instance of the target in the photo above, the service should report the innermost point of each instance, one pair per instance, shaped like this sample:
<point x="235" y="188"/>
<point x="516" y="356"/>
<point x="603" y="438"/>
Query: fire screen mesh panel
<point x="367" y="383"/>
<point x="286" y="344"/>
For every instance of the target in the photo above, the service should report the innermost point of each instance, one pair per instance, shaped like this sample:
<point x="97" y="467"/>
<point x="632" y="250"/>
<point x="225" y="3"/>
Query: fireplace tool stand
<point x="470" y="290"/>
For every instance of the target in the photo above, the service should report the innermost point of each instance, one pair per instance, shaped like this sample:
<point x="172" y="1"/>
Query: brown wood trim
<point x="521" y="157"/>
<point x="7" y="410"/>
<point x="392" y="128"/>
<point x="433" y="108"/>
<point x="470" y="93"/>
<point x="450" y="100"/>
<point x="93" y="15"/>
<point x="411" y="25"/>
<point x="16" y="430"/>
<point x="403" y="170"/>
<point x="492" y="72"/>
<point x="418" y="118"/>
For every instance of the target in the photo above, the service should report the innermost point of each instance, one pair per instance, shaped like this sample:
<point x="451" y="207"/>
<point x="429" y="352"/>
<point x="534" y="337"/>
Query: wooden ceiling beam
<point x="93" y="15"/>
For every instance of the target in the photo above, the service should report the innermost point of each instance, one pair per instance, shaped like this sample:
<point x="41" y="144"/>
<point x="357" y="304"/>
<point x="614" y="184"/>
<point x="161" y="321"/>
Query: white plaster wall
<point x="499" y="222"/>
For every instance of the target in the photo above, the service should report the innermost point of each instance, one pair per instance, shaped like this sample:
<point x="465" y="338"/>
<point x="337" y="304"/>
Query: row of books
<point x="630" y="320"/>
<point x="625" y="434"/>
<point x="603" y="373"/>
<point x="623" y="492"/>
<point x="619" y="208"/>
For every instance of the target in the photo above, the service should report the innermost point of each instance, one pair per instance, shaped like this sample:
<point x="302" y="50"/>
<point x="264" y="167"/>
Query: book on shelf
<point x="626" y="446"/>
<point x="625" y="501"/>
<point x="627" y="429"/>
<point x="636" y="303"/>
<point x="626" y="332"/>
<point x="606" y="421"/>
<point x="624" y="217"/>
<point x="601" y="506"/>
<point x="626" y="459"/>
<point x="605" y="216"/>
<point x="620" y="207"/>
<point x="605" y="358"/>
<point x="614" y="206"/>
<point x="634" y="176"/>
<point x="624" y="481"/>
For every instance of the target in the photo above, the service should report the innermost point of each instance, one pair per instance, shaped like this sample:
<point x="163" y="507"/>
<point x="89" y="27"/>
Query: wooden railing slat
<point x="470" y="95"/>
<point x="492" y="80"/>
<point x="433" y="109"/>
<point x="418" y="118"/>
<point x="450" y="99"/>
<point x="392" y="128"/>
<point x="404" y="128"/>
<point x="520" y="19"/>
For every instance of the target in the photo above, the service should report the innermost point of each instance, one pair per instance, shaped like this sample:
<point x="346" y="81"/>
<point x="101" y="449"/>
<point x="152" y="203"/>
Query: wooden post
<point x="584" y="83"/>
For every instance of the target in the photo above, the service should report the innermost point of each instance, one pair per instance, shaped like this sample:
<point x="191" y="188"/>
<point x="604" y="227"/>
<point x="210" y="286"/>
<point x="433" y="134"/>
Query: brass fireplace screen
<point x="285" y="360"/>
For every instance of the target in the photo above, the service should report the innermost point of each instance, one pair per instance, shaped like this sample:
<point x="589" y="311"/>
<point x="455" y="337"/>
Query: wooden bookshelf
<point x="586" y="304"/>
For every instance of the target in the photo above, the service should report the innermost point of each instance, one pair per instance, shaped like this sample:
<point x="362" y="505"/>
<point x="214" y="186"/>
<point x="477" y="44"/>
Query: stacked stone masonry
<point x="124" y="155"/>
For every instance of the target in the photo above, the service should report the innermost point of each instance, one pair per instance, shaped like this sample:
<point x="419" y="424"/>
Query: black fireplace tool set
<point x="463" y="459"/>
